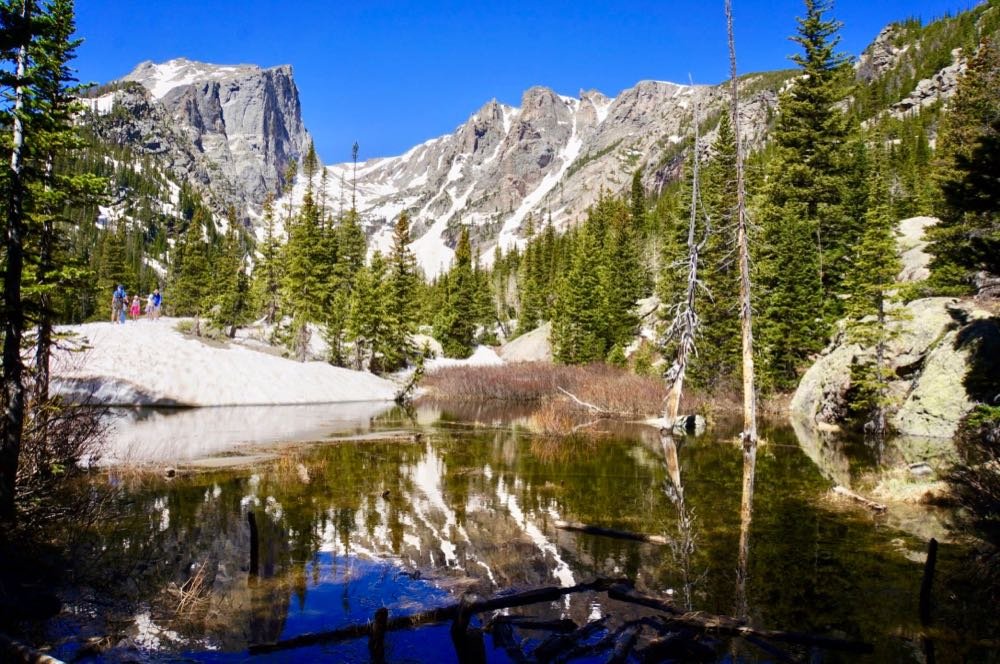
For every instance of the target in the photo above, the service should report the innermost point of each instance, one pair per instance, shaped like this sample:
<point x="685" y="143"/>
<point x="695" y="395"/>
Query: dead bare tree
<point x="749" y="435"/>
<point x="684" y="325"/>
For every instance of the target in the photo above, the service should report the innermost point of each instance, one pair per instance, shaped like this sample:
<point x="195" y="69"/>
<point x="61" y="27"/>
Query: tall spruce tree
<point x="718" y="360"/>
<point x="231" y="297"/>
<point x="872" y="282"/>
<point x="803" y="214"/>
<point x="191" y="282"/>
<point x="577" y="322"/>
<point x="455" y="324"/>
<point x="267" y="271"/>
<point x="967" y="239"/>
<point x="402" y="289"/>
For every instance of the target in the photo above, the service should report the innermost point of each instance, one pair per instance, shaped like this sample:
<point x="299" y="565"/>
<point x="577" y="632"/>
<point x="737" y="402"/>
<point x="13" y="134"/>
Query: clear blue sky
<point x="393" y="74"/>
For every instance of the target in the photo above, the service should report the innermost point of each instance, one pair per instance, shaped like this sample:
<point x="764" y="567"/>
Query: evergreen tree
<point x="402" y="289"/>
<point x="455" y="325"/>
<point x="803" y="214"/>
<point x="576" y="321"/>
<point x="872" y="281"/>
<point x="968" y="238"/>
<point x="718" y="358"/>
<point x="267" y="271"/>
<point x="232" y="286"/>
<point x="191" y="285"/>
<point x="638" y="200"/>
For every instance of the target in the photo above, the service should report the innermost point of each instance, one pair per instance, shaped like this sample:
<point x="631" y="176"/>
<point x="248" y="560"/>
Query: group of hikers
<point x="122" y="308"/>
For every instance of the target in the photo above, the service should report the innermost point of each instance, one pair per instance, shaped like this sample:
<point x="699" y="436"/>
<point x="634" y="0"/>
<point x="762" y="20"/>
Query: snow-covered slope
<point x="147" y="363"/>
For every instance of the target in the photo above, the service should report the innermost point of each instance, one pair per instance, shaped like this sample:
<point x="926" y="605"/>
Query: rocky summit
<point x="231" y="128"/>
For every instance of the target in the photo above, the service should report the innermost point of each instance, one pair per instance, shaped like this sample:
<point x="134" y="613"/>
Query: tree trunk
<point x="742" y="243"/>
<point x="13" y="326"/>
<point x="749" y="435"/>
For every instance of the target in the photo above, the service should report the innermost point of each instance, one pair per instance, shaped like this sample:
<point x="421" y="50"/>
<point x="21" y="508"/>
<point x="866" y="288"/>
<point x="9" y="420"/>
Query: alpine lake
<point x="407" y="510"/>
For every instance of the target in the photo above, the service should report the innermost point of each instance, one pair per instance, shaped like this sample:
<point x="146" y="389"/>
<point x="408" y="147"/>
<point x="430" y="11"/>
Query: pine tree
<point x="967" y="239"/>
<point x="267" y="271"/>
<point x="455" y="324"/>
<point x="576" y="321"/>
<point x="191" y="285"/>
<point x="803" y="215"/>
<point x="872" y="281"/>
<point x="718" y="359"/>
<point x="402" y="289"/>
<point x="231" y="298"/>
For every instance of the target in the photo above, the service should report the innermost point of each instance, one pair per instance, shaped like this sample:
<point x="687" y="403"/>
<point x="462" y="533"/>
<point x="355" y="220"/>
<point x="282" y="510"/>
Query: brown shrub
<point x="606" y="387"/>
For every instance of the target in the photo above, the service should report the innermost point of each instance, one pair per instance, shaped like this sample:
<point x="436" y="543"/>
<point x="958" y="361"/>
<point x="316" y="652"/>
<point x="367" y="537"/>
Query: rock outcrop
<point x="229" y="130"/>
<point x="930" y="357"/>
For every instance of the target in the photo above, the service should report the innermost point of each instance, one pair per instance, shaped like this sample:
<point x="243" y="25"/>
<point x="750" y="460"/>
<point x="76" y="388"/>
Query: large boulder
<point x="931" y="350"/>
<point x="533" y="346"/>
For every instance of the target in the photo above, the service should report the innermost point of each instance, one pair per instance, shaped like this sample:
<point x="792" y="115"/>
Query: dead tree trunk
<point x="743" y="247"/>
<point x="685" y="323"/>
<point x="749" y="435"/>
<point x="13" y="326"/>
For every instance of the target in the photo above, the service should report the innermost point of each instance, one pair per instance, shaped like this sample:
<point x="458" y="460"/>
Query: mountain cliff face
<point x="552" y="157"/>
<point x="231" y="129"/>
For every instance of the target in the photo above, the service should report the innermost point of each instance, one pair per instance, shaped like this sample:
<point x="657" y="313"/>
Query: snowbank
<point x="483" y="356"/>
<point x="151" y="363"/>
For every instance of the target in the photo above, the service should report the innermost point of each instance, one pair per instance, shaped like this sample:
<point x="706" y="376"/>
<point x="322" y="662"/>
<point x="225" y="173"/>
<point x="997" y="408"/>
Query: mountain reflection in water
<point x="409" y="523"/>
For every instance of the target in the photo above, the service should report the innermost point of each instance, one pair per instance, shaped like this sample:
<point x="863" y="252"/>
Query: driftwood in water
<point x="376" y="640"/>
<point x="858" y="498"/>
<point x="471" y="647"/>
<point x="432" y="616"/>
<point x="624" y="643"/>
<point x="927" y="584"/>
<point x="609" y="532"/>
<point x="730" y="626"/>
<point x="556" y="644"/>
<point x="562" y="625"/>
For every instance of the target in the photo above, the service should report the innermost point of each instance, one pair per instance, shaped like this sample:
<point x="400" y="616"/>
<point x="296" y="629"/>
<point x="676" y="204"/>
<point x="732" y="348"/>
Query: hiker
<point x="136" y="307"/>
<point x="149" y="307"/>
<point x="157" y="302"/>
<point x="123" y="311"/>
<point x="117" y="303"/>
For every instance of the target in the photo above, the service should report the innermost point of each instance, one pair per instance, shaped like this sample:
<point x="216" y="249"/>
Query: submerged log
<point x="927" y="583"/>
<point x="376" y="640"/>
<point x="433" y="616"/>
<point x="727" y="626"/>
<point x="858" y="498"/>
<point x="557" y="644"/>
<point x="562" y="625"/>
<point x="609" y="532"/>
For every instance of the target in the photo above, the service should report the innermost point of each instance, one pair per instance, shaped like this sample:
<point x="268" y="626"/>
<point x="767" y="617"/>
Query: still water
<point x="417" y="508"/>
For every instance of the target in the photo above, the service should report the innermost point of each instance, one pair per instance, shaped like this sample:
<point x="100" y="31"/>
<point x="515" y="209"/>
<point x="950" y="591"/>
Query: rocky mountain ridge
<point x="232" y="130"/>
<point x="551" y="158"/>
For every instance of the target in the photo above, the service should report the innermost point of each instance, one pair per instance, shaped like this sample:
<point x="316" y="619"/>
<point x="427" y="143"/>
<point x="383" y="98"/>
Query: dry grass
<point x="609" y="388"/>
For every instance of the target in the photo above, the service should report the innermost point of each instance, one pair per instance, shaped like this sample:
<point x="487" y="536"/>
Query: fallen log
<point x="858" y="498"/>
<point x="609" y="532"/>
<point x="557" y="644"/>
<point x="562" y="625"/>
<point x="730" y="626"/>
<point x="432" y="616"/>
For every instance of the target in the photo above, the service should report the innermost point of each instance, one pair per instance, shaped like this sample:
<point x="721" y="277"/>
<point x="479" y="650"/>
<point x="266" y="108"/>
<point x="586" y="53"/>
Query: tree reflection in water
<point x="683" y="545"/>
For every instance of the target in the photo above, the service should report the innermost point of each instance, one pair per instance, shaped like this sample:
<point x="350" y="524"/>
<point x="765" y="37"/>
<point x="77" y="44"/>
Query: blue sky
<point x="393" y="74"/>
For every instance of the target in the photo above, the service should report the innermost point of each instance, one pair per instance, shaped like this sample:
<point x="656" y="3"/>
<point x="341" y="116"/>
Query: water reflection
<point x="683" y="545"/>
<point x="404" y="521"/>
<point x="142" y="435"/>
